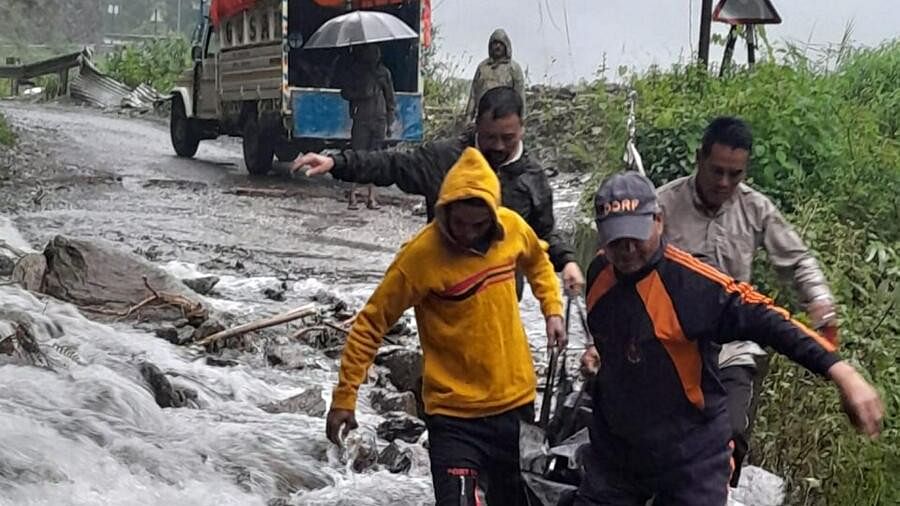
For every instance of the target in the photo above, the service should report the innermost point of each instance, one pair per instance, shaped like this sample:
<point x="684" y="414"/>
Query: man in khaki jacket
<point x="713" y="214"/>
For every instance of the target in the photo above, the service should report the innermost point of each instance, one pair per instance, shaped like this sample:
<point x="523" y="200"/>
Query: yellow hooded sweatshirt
<point x="476" y="358"/>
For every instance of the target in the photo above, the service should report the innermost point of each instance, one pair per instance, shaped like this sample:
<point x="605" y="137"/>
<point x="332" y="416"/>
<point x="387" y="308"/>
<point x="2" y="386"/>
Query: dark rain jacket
<point x="494" y="73"/>
<point x="421" y="171"/>
<point x="658" y="332"/>
<point x="369" y="88"/>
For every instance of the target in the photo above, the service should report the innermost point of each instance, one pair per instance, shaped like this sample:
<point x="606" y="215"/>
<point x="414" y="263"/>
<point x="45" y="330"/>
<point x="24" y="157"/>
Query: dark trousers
<point x="701" y="480"/>
<point x="475" y="456"/>
<point x="367" y="135"/>
<point x="743" y="384"/>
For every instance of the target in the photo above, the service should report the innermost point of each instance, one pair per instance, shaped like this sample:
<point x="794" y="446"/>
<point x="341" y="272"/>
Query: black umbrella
<point x="359" y="27"/>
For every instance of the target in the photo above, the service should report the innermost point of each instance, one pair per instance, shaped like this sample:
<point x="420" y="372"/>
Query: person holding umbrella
<point x="369" y="88"/>
<point x="366" y="83"/>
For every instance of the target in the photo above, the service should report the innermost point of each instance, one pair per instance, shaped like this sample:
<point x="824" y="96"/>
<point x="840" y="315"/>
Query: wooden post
<point x="63" y="82"/>
<point x="705" y="28"/>
<point x="13" y="81"/>
<point x="729" y="50"/>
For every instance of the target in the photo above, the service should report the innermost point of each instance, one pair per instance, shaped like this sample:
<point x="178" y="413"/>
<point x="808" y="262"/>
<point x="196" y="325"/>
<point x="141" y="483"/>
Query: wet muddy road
<point x="117" y="178"/>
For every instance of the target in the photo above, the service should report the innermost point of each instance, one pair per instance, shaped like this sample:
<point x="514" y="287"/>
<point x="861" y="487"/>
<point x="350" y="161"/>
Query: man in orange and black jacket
<point x="658" y="317"/>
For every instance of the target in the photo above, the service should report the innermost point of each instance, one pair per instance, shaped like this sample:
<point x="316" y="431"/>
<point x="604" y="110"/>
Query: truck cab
<point x="252" y="78"/>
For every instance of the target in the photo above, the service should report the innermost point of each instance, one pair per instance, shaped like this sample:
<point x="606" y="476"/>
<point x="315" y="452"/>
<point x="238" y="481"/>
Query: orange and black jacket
<point x="658" y="332"/>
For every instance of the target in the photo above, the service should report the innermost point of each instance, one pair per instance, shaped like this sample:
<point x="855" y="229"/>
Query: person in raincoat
<point x="479" y="382"/>
<point x="499" y="69"/>
<point x="369" y="88"/>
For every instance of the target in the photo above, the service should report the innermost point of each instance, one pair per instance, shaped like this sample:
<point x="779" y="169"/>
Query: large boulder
<point x="97" y="275"/>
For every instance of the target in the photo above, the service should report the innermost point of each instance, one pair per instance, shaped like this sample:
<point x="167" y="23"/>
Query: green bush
<point x="826" y="151"/>
<point x="157" y="63"/>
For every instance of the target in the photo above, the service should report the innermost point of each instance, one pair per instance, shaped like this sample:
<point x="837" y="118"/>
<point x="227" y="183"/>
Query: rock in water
<point x="276" y="294"/>
<point x="309" y="403"/>
<point x="405" y="372"/>
<point x="96" y="274"/>
<point x="405" y="368"/>
<point x="395" y="459"/>
<point x="7" y="265"/>
<point x="384" y="401"/>
<point x="400" y="426"/>
<point x="202" y="285"/>
<point x="29" y="271"/>
<point x="166" y="395"/>
<point x="208" y="328"/>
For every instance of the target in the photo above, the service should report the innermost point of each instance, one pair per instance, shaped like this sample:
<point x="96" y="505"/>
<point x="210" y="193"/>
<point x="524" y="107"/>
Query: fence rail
<point x="57" y="65"/>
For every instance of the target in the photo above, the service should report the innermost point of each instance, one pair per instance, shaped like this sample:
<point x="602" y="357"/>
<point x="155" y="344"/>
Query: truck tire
<point x="259" y="146"/>
<point x="182" y="130"/>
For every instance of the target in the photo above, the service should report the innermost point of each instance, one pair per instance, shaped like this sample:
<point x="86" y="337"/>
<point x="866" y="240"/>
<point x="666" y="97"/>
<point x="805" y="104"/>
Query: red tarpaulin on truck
<point x="222" y="9"/>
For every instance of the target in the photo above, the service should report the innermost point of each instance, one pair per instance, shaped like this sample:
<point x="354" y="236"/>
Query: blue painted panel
<point x="323" y="114"/>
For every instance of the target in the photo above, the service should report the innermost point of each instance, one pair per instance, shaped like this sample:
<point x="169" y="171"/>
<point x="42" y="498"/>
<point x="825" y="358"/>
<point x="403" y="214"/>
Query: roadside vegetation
<point x="157" y="62"/>
<point x="7" y="136"/>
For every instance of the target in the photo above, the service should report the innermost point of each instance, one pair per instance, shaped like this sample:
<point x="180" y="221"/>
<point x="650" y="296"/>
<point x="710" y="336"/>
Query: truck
<point x="252" y="78"/>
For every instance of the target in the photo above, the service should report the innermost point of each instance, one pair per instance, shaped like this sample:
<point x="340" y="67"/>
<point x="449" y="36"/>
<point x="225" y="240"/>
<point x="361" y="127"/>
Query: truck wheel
<point x="184" y="135"/>
<point x="259" y="148"/>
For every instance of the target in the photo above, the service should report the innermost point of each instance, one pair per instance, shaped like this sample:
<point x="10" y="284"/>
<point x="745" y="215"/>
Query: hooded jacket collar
<point x="470" y="177"/>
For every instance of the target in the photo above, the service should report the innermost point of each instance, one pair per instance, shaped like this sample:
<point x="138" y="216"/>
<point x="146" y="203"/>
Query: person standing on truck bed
<point x="369" y="88"/>
<point x="498" y="135"/>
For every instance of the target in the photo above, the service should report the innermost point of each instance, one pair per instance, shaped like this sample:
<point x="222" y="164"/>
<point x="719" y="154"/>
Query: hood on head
<point x="499" y="35"/>
<point x="470" y="177"/>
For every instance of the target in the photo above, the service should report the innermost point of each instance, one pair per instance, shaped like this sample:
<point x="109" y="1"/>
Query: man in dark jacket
<point x="369" y="88"/>
<point x="657" y="316"/>
<point x="498" y="135"/>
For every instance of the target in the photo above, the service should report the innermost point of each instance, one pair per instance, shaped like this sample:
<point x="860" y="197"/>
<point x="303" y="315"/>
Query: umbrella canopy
<point x="359" y="27"/>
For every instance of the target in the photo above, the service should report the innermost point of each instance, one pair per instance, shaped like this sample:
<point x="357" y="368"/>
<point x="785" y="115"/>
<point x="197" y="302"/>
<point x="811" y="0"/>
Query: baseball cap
<point x="625" y="205"/>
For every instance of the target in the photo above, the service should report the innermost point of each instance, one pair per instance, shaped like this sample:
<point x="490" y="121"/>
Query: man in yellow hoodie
<point x="478" y="377"/>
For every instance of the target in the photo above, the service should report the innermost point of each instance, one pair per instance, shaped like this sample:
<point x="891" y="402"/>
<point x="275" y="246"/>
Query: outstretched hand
<point x="860" y="400"/>
<point x="315" y="164"/>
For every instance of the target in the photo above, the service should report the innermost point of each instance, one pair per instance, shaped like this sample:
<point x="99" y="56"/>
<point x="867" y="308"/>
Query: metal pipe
<point x="705" y="28"/>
